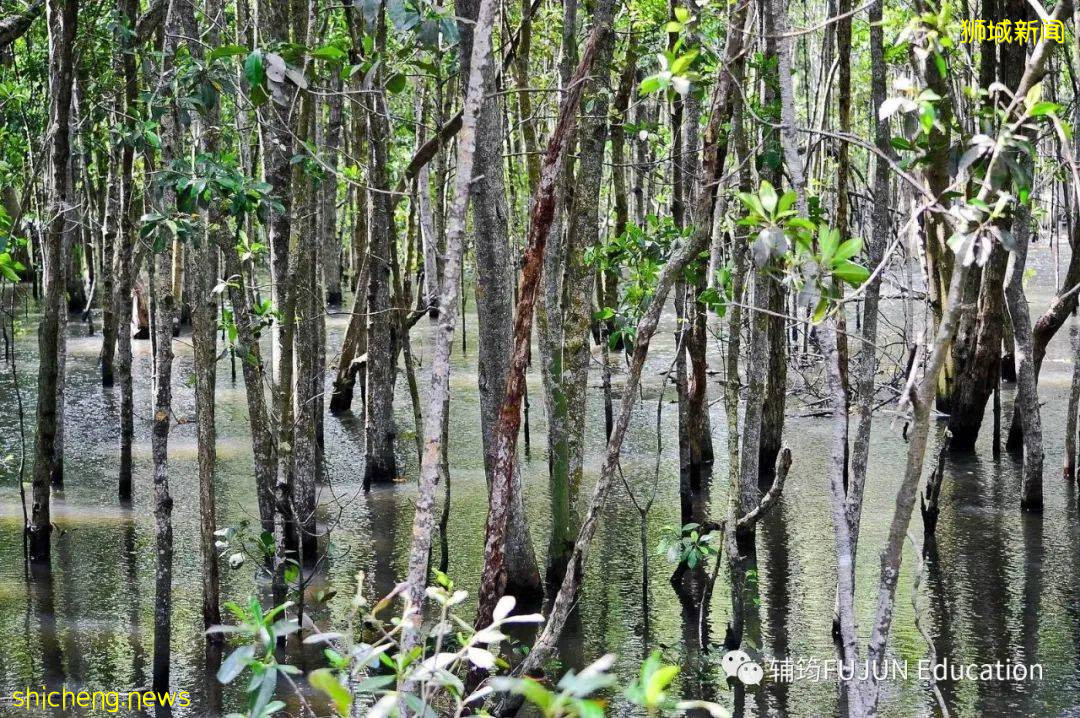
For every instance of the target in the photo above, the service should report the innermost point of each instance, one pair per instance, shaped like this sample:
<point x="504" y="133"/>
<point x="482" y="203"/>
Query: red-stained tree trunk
<point x="493" y="579"/>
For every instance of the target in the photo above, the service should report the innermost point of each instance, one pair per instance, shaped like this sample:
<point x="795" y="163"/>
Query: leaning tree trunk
<point x="542" y="213"/>
<point x="63" y="17"/>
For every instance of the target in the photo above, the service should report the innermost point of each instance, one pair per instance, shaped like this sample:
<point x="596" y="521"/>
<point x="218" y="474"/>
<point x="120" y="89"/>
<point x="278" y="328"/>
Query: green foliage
<point x="639" y="253"/>
<point x="687" y="545"/>
<point x="260" y="632"/>
<point x="806" y="256"/>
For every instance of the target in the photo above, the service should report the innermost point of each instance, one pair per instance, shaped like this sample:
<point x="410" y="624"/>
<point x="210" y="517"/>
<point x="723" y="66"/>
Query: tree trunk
<point x="124" y="251"/>
<point x="204" y="323"/>
<point x="866" y="366"/>
<point x="714" y="149"/>
<point x="549" y="330"/>
<point x="493" y="578"/>
<point x="583" y="227"/>
<point x="380" y="465"/>
<point x="446" y="322"/>
<point x="108" y="268"/>
<point x="1069" y="463"/>
<point x="494" y="299"/>
<point x="330" y="243"/>
<point x="179" y="19"/>
<point x="1027" y="395"/>
<point x="62" y="18"/>
<point x="277" y="144"/>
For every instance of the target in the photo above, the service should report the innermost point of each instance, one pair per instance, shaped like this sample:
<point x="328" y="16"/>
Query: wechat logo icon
<point x="737" y="664"/>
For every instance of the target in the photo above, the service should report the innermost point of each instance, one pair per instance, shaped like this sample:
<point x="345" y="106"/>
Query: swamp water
<point x="1000" y="586"/>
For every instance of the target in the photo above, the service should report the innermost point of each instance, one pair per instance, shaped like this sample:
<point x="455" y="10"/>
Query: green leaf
<point x="254" y="70"/>
<point x="768" y="197"/>
<point x="1033" y="96"/>
<point x="786" y="201"/>
<point x="853" y="274"/>
<point x="330" y="53"/>
<point x="848" y="249"/>
<point x="227" y="51"/>
<point x="682" y="14"/>
<point x="396" y="83"/>
<point x="658" y="681"/>
<point x="672" y="26"/>
<point x="828" y="241"/>
<point x="683" y="62"/>
<point x="651" y="84"/>
<point x="1043" y="108"/>
<point x="232" y="666"/>
<point x="323" y="680"/>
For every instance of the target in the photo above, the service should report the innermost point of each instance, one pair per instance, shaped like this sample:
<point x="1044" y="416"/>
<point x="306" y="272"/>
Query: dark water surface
<point x="998" y="586"/>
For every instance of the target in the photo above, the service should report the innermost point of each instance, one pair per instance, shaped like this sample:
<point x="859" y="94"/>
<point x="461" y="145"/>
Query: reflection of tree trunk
<point x="43" y="605"/>
<point x="942" y="604"/>
<point x="131" y="577"/>
<point x="777" y="597"/>
<point x="1034" y="555"/>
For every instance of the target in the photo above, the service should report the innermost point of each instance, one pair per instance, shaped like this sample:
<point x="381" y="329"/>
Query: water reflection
<point x="997" y="585"/>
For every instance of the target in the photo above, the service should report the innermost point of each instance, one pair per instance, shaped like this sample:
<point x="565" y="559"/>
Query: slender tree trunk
<point x="328" y="217"/>
<point x="1027" y="395"/>
<point x="108" y="268"/>
<point x="204" y="323"/>
<point x="493" y="578"/>
<point x="494" y="299"/>
<point x="277" y="132"/>
<point x="124" y="251"/>
<point x="1069" y="464"/>
<point x="446" y="322"/>
<point x="62" y="19"/>
<point x="178" y="20"/>
<point x="380" y="465"/>
<point x="583" y="228"/>
<point x="866" y="367"/>
<point x="549" y="329"/>
<point x="307" y="301"/>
